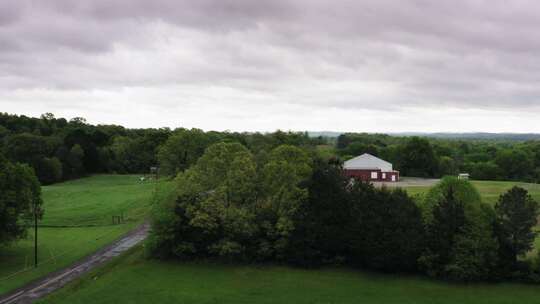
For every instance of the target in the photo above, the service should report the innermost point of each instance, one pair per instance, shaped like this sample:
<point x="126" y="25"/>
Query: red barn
<point x="367" y="167"/>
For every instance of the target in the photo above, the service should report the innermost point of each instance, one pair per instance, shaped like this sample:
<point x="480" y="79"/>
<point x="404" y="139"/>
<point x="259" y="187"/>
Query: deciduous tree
<point x="20" y="193"/>
<point x="517" y="214"/>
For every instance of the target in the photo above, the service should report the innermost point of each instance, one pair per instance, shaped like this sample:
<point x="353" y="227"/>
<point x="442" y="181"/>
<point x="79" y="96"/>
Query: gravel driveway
<point x="56" y="280"/>
<point x="409" y="182"/>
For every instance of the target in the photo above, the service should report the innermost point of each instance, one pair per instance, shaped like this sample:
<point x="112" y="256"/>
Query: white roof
<point x="367" y="162"/>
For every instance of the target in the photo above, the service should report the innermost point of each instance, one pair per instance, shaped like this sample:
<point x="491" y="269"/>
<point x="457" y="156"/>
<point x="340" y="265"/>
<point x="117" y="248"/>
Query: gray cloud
<point x="376" y="55"/>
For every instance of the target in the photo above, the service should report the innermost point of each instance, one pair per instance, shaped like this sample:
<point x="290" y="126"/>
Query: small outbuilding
<point x="463" y="176"/>
<point x="367" y="167"/>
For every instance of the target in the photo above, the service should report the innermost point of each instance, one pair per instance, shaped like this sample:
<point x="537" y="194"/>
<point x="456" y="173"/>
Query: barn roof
<point x="368" y="162"/>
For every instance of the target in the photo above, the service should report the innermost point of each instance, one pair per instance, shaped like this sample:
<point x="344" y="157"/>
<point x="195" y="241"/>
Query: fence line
<point x="155" y="191"/>
<point x="54" y="257"/>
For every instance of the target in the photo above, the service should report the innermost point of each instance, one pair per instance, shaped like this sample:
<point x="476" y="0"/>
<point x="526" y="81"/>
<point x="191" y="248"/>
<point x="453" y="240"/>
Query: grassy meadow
<point x="87" y="204"/>
<point x="92" y="201"/>
<point x="489" y="190"/>
<point x="132" y="279"/>
<point x="76" y="223"/>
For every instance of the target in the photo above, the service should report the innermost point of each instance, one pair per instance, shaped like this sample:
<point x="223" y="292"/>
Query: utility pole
<point x="35" y="235"/>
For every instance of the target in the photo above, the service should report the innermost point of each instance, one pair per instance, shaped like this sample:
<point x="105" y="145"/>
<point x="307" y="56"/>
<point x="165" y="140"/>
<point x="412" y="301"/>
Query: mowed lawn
<point x="132" y="279"/>
<point x="93" y="200"/>
<point x="77" y="222"/>
<point x="489" y="190"/>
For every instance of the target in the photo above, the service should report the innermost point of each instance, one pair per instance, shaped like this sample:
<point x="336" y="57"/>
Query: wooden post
<point x="35" y="236"/>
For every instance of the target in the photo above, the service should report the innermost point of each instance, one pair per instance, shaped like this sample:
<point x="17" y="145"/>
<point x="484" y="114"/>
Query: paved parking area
<point x="406" y="182"/>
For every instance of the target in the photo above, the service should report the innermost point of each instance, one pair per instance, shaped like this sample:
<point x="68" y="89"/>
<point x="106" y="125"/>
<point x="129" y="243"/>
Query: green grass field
<point x="489" y="190"/>
<point x="81" y="210"/>
<point x="93" y="200"/>
<point x="132" y="279"/>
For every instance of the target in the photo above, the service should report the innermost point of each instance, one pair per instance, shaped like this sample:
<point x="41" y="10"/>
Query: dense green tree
<point x="3" y="132"/>
<point x="282" y="179"/>
<point x="417" y="158"/>
<point x="320" y="234"/>
<point x="483" y="170"/>
<point x="517" y="215"/>
<point x="20" y="193"/>
<point x="228" y="208"/>
<point x="74" y="161"/>
<point x="447" y="166"/>
<point x="214" y="210"/>
<point x="388" y="231"/>
<point x="515" y="163"/>
<point x="27" y="148"/>
<point x="49" y="170"/>
<point x="81" y="135"/>
<point x="182" y="150"/>
<point x="35" y="150"/>
<point x="358" y="148"/>
<point x="460" y="243"/>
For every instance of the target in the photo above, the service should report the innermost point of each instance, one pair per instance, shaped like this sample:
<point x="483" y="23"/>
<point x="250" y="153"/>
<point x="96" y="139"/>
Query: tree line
<point x="289" y="205"/>
<point x="435" y="157"/>
<point x="59" y="149"/>
<point x="274" y="197"/>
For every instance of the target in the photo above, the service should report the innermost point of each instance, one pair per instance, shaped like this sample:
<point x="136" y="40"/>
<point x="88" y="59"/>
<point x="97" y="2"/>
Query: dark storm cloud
<point x="345" y="54"/>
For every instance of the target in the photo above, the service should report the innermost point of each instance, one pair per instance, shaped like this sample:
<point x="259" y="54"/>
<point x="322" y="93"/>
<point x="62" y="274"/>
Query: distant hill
<point x="475" y="135"/>
<point x="324" y="133"/>
<point x="448" y="135"/>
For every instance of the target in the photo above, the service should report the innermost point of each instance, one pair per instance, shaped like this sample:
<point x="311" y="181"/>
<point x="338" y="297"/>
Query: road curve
<point x="56" y="280"/>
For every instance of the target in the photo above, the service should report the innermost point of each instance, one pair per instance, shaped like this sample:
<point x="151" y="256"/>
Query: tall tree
<point x="515" y="163"/>
<point x="20" y="193"/>
<point x="320" y="234"/>
<point x="182" y="150"/>
<point x="517" y="215"/>
<point x="417" y="158"/>
<point x="460" y="240"/>
<point x="388" y="230"/>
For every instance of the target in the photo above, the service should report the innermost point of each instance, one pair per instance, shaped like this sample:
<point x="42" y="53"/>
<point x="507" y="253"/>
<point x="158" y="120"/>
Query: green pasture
<point x="76" y="223"/>
<point x="93" y="200"/>
<point x="132" y="279"/>
<point x="489" y="190"/>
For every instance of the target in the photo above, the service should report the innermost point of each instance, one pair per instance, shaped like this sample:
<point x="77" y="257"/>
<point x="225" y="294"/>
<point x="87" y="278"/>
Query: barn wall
<point x="365" y="175"/>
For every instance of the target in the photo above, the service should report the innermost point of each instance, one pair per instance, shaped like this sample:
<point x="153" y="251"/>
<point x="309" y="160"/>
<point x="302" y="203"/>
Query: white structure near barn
<point x="463" y="176"/>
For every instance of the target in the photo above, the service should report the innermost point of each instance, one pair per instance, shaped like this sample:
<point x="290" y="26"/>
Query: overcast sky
<point x="254" y="65"/>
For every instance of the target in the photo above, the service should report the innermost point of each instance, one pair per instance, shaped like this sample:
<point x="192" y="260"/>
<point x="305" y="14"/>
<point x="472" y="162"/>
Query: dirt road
<point x="56" y="280"/>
